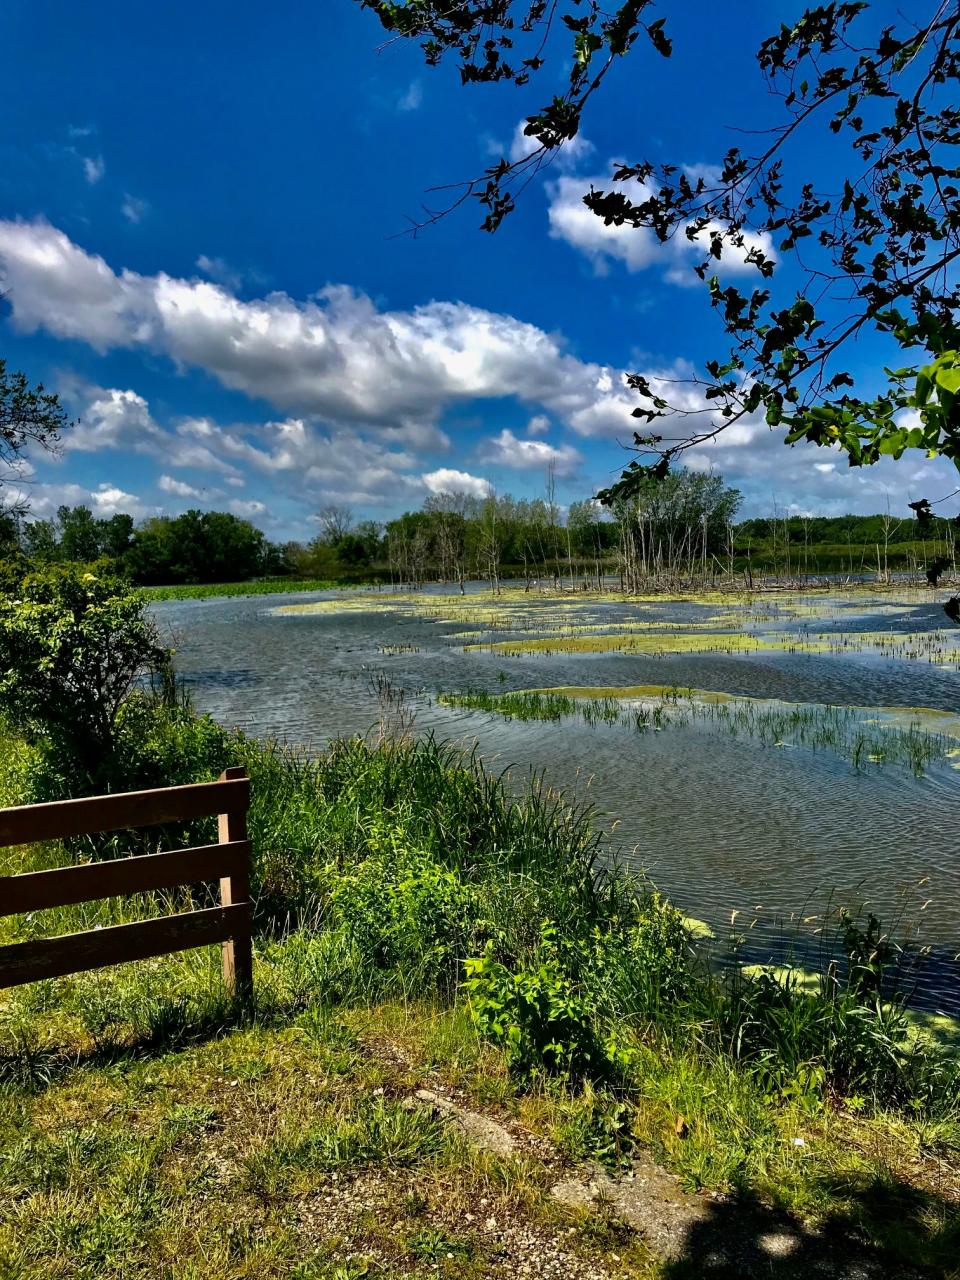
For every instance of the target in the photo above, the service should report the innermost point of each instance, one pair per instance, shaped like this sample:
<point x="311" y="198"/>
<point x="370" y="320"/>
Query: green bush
<point x="407" y="918"/>
<point x="74" y="643"/>
<point x="542" y="1021"/>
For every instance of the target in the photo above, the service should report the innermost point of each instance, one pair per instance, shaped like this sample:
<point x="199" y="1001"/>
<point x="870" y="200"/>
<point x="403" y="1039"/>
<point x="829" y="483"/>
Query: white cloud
<point x="804" y="479"/>
<point x="180" y="489"/>
<point x="110" y="418"/>
<point x="412" y="99"/>
<point x="93" y="169"/>
<point x="637" y="247"/>
<point x="572" y="221"/>
<point x="134" y="209"/>
<point x="109" y="500"/>
<point x="309" y="461"/>
<point x="247" y="509"/>
<point x="538" y="425"/>
<point x="115" y="419"/>
<point x="336" y="356"/>
<point x="524" y="455"/>
<point x="221" y="271"/>
<point x="104" y="501"/>
<point x="568" y="156"/>
<point x="448" y="481"/>
<point x="378" y="379"/>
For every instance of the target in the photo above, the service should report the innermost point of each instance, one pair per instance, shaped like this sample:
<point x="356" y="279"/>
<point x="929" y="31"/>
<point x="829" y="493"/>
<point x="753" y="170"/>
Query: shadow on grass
<point x="166" y="1027"/>
<point x="886" y="1229"/>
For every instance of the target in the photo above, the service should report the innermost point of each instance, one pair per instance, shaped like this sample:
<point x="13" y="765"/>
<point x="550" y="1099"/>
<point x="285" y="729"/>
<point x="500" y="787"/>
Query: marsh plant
<point x="849" y="731"/>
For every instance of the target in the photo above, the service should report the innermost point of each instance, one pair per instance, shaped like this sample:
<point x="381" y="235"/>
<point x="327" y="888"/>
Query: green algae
<point x="516" y="623"/>
<point x="794" y="977"/>
<point x="933" y="1028"/>
<point x="651" y="643"/>
<point x="698" y="929"/>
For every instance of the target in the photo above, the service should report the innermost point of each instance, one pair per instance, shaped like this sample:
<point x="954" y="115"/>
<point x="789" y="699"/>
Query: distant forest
<point x="684" y="529"/>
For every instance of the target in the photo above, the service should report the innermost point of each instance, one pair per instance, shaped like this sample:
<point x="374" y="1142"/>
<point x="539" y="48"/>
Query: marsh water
<point x="758" y="838"/>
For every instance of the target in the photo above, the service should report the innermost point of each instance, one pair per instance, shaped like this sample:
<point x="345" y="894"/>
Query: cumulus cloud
<point x="637" y="248"/>
<point x="336" y="356"/>
<point x="111" y="418"/>
<point x="109" y="499"/>
<point x="309" y="460"/>
<point x="180" y="489"/>
<point x="104" y="501"/>
<point x="247" y="509"/>
<point x="114" y="419"/>
<point x="359" y="390"/>
<point x="803" y="479"/>
<point x="525" y="455"/>
<point x="447" y="480"/>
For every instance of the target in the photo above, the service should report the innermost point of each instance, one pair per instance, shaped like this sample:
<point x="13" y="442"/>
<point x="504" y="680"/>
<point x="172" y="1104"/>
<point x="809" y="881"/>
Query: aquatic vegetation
<point x="886" y="737"/>
<point x="654" y="643"/>
<point x="262" y="587"/>
<point x="518" y="623"/>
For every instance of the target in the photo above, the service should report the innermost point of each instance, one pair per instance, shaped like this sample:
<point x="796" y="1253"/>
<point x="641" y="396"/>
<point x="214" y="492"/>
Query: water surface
<point x="748" y="837"/>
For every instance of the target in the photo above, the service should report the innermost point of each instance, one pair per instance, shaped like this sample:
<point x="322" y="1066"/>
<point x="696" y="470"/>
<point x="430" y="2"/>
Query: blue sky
<point x="199" y="208"/>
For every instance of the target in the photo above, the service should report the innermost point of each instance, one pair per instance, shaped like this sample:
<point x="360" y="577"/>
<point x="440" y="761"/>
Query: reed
<point x="815" y="726"/>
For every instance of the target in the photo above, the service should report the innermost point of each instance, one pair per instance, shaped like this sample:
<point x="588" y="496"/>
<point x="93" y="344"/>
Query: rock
<point x="477" y="1128"/>
<point x="648" y="1199"/>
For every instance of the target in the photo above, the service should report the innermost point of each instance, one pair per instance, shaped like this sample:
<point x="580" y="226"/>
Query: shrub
<point x="74" y="643"/>
<point x="537" y="1015"/>
<point x="408" y="918"/>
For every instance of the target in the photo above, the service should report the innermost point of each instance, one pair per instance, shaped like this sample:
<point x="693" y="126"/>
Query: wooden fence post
<point x="234" y="890"/>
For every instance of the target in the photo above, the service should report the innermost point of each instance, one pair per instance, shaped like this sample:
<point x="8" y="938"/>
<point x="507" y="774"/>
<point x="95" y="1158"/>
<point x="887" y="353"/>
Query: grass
<point x="148" y="1129"/>
<point x="865" y="736"/>
<point x="255" y="587"/>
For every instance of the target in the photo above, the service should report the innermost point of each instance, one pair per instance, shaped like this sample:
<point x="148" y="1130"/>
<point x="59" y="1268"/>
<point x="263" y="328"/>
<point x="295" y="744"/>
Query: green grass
<point x="255" y="587"/>
<point x="147" y="1128"/>
<point x="857" y="733"/>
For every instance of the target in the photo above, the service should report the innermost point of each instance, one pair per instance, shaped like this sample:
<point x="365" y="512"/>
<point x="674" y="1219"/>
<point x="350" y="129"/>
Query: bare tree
<point x="335" y="522"/>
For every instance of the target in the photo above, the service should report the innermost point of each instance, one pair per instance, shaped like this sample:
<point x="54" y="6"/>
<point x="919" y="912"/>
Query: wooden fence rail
<point x="228" y="861"/>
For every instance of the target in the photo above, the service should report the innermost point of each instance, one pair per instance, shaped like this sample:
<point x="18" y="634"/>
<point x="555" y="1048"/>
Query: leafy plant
<point x="539" y="1017"/>
<point x="74" y="643"/>
<point x="404" y="915"/>
<point x="27" y="414"/>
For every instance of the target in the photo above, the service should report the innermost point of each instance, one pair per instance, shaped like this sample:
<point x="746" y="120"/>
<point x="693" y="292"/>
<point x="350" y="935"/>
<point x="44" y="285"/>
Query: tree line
<point x="198" y="546"/>
<point x="682" y="530"/>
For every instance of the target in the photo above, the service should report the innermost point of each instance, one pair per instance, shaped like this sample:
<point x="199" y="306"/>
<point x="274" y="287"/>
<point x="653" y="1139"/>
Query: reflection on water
<point x="726" y="827"/>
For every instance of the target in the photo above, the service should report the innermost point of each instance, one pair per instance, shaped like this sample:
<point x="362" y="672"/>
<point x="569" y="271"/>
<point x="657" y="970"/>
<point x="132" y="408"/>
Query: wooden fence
<point x="227" y="861"/>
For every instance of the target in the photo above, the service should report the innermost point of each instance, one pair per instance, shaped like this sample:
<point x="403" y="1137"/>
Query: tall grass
<point x="403" y="868"/>
<point x="849" y="731"/>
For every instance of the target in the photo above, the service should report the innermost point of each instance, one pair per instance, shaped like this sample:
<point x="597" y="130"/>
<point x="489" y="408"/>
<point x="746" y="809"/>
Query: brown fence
<point x="228" y="861"/>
